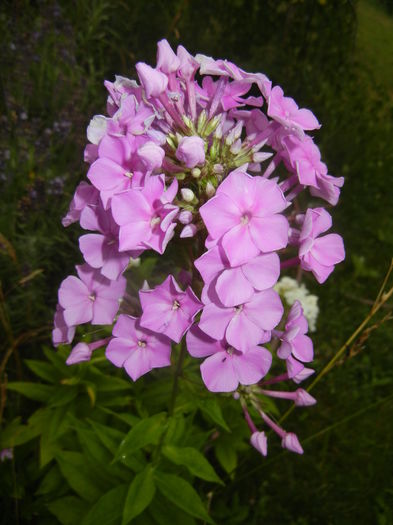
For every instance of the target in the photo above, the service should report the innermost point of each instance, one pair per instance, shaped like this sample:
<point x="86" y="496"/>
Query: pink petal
<point x="233" y="288"/>
<point x="214" y="320"/>
<point x="251" y="366"/>
<point x="91" y="246"/>
<point x="72" y="291"/>
<point x="242" y="333"/>
<point x="220" y="214"/>
<point x="201" y="345"/>
<point x="239" y="245"/>
<point x="269" y="233"/>
<point x="118" y="350"/>
<point x="328" y="250"/>
<point x="263" y="271"/>
<point x="218" y="374"/>
<point x="79" y="313"/>
<point x="265" y="309"/>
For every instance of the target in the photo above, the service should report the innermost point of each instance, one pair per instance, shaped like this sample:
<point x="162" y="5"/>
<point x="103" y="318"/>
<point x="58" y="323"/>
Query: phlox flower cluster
<point x="202" y="162"/>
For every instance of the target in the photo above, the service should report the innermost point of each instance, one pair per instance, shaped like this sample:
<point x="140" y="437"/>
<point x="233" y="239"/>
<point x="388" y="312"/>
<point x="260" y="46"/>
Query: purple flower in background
<point x="169" y="310"/>
<point x="91" y="298"/>
<point x="137" y="349"/>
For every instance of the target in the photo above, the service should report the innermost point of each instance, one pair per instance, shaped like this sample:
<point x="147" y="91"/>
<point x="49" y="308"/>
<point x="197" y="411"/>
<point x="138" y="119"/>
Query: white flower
<point x="292" y="291"/>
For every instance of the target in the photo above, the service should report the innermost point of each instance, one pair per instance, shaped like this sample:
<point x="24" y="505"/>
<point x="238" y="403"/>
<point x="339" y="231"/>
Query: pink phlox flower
<point x="328" y="188"/>
<point x="188" y="65"/>
<point x="167" y="60"/>
<point x="84" y="195"/>
<point x="244" y="216"/>
<point x="225" y="367"/>
<point x="132" y="119"/>
<point x="169" y="310"/>
<point x="118" y="91"/>
<point x="319" y="254"/>
<point x="83" y="351"/>
<point x="145" y="216"/>
<point x="61" y="333"/>
<point x="116" y="168"/>
<point x="91" y="297"/>
<point x="293" y="340"/>
<point x="236" y="285"/>
<point x="259" y="441"/>
<point x="304" y="158"/>
<point x="101" y="250"/>
<point x="285" y="111"/>
<point x="244" y="325"/>
<point x="137" y="349"/>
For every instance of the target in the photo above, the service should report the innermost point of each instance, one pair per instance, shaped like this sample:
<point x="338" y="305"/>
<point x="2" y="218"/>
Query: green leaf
<point x="146" y="432"/>
<point x="52" y="481"/>
<point x="140" y="494"/>
<point x="226" y="455"/>
<point x="176" y="430"/>
<point x="63" y="395"/>
<point x="33" y="391"/>
<point x="16" y="434"/>
<point x="107" y="383"/>
<point x="80" y="478"/>
<point x="165" y="513"/>
<point x="68" y="510"/>
<point x="108" y="509"/>
<point x="109" y="437"/>
<point x="195" y="462"/>
<point x="44" y="370"/>
<point x="181" y="493"/>
<point x="212" y="409"/>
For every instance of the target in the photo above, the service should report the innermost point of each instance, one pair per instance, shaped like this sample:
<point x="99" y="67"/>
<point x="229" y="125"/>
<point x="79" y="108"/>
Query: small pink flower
<point x="287" y="112"/>
<point x="84" y="195"/>
<point x="294" y="341"/>
<point x="169" y="310"/>
<point x="92" y="297"/>
<point x="290" y="442"/>
<point x="137" y="349"/>
<point x="319" y="254"/>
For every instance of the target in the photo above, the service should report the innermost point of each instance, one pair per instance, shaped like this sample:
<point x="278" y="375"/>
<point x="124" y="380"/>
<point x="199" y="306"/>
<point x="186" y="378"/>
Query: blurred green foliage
<point x="334" y="56"/>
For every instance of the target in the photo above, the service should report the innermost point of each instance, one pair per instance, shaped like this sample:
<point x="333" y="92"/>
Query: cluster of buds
<point x="203" y="158"/>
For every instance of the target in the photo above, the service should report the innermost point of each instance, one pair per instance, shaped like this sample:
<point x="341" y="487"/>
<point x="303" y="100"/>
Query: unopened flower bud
<point x="134" y="263"/>
<point x="210" y="189"/>
<point x="218" y="168"/>
<point x="196" y="173"/>
<point x="167" y="61"/>
<point x="151" y="155"/>
<point x="187" y="194"/>
<point x="191" y="151"/>
<point x="153" y="81"/>
<point x="185" y="217"/>
<point x="303" y="398"/>
<point x="291" y="442"/>
<point x="259" y="441"/>
<point x="188" y="231"/>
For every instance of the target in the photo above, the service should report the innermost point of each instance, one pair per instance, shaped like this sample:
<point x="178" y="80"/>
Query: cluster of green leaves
<point x="100" y="448"/>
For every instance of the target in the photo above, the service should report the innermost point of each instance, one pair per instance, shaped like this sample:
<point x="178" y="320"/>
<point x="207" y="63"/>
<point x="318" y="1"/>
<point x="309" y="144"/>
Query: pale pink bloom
<point x="145" y="215"/>
<point x="244" y="216"/>
<point x="305" y="159"/>
<point x="319" y="254"/>
<point x="236" y="285"/>
<point x="61" y="333"/>
<point x="244" y="325"/>
<point x="226" y="367"/>
<point x="191" y="151"/>
<point x="83" y="351"/>
<point x="259" y="441"/>
<point x="285" y="111"/>
<point x="151" y="155"/>
<point x="169" y="310"/>
<point x="91" y="298"/>
<point x="137" y="349"/>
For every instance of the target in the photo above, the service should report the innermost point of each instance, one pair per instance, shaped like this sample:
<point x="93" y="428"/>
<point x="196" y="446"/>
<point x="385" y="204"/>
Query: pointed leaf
<point x="212" y="409"/>
<point x="193" y="460"/>
<point x="79" y="476"/>
<point x="108" y="509"/>
<point x="68" y="510"/>
<point x="140" y="494"/>
<point x="33" y="391"/>
<point x="146" y="432"/>
<point x="181" y="493"/>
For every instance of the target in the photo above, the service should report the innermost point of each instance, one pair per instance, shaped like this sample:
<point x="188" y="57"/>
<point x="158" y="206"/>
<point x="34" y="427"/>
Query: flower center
<point x="141" y="343"/>
<point x="230" y="350"/>
<point x="154" y="221"/>
<point x="129" y="174"/>
<point x="175" y="305"/>
<point x="245" y="219"/>
<point x="92" y="297"/>
<point x="238" y="309"/>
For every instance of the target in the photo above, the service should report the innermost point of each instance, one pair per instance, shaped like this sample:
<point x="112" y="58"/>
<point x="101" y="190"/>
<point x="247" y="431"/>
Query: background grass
<point x="334" y="56"/>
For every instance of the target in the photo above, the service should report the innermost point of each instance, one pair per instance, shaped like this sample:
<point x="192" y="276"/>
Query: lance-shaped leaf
<point x="107" y="510"/>
<point x="193" y="460"/>
<point x="139" y="495"/>
<point x="146" y="432"/>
